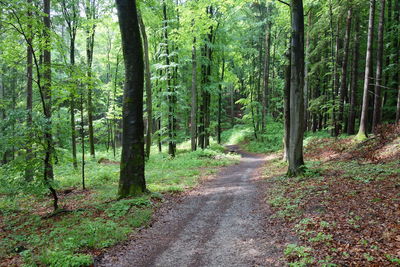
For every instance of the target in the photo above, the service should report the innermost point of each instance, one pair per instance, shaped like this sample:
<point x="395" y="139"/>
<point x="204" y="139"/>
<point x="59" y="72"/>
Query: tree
<point x="91" y="10"/>
<point x="343" y="81"/>
<point x="295" y="154"/>
<point x="70" y="12"/>
<point x="193" y="112"/>
<point x="362" y="131"/>
<point x="132" y="178"/>
<point x="354" y="79"/>
<point x="379" y="68"/>
<point x="149" y="98"/>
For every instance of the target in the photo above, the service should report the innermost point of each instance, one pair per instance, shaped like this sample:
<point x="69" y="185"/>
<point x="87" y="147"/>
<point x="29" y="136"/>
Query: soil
<point x="223" y="222"/>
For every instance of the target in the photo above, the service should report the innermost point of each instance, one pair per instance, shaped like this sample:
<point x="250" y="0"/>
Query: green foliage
<point x="298" y="256"/>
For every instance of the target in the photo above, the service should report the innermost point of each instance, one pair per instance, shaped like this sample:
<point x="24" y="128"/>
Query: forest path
<point x="220" y="223"/>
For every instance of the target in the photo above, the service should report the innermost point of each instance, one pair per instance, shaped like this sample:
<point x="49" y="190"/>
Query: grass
<point x="95" y="218"/>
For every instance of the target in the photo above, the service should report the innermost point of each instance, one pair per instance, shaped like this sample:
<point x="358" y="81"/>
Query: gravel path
<point x="221" y="223"/>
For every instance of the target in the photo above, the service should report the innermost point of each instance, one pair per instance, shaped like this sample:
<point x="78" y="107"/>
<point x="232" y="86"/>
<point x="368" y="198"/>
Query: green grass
<point x="243" y="135"/>
<point x="96" y="219"/>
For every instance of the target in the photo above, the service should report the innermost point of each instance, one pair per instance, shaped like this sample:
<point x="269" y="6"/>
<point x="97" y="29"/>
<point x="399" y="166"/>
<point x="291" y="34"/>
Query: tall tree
<point x="29" y="91"/>
<point x="193" y="113"/>
<point x="149" y="97"/>
<point x="343" y="81"/>
<point x="91" y="15"/>
<point x="397" y="44"/>
<point x="70" y="11"/>
<point x="132" y="178"/>
<point x="362" y="131"/>
<point x="170" y="89"/>
<point x="266" y="74"/>
<point x="295" y="154"/>
<point x="354" y="79"/>
<point x="47" y="104"/>
<point x="379" y="69"/>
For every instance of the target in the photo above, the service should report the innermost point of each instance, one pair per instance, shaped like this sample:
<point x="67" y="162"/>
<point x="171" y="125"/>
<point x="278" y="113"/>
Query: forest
<point x="155" y="132"/>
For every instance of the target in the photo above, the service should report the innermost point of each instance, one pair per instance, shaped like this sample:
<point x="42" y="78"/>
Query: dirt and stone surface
<point x="223" y="222"/>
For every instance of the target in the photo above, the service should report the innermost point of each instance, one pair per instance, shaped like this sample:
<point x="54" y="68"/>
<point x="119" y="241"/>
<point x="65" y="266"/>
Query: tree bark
<point x="47" y="104"/>
<point x="397" y="58"/>
<point x="286" y="108"/>
<point x="220" y="101"/>
<point x="377" y="115"/>
<point x="90" y="9"/>
<point x="132" y="177"/>
<point x="170" y="89"/>
<point x="149" y="98"/>
<point x="296" y="161"/>
<point x="70" y="14"/>
<point x="29" y="95"/>
<point x="266" y="75"/>
<point x="343" y="81"/>
<point x="354" y="79"/>
<point x="306" y="75"/>
<point x="362" y="131"/>
<point x="193" y="112"/>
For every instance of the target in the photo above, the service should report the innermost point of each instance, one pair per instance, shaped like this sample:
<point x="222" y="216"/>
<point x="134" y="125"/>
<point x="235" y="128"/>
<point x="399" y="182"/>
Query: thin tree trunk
<point x="376" y="119"/>
<point x="82" y="143"/>
<point x="170" y="89"/>
<point x="306" y="69"/>
<point x="362" y="131"/>
<point x="343" y="82"/>
<point x="397" y="60"/>
<point x="193" y="112"/>
<point x="286" y="108"/>
<point x="47" y="105"/>
<point x="354" y="79"/>
<point x="232" y="105"/>
<point x="266" y="76"/>
<point x="149" y="98"/>
<point x="29" y="94"/>
<point x="220" y="101"/>
<point x="132" y="177"/>
<point x="91" y="15"/>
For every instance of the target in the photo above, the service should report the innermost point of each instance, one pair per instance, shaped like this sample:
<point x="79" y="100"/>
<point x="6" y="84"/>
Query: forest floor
<point x="220" y="223"/>
<point x="93" y="219"/>
<point x="345" y="210"/>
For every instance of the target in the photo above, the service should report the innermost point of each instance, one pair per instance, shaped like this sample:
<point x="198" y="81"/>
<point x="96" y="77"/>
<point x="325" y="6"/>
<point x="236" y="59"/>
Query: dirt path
<point x="221" y="223"/>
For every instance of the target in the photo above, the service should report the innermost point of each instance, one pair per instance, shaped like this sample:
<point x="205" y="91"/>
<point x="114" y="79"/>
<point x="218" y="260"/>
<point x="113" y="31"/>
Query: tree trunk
<point x="170" y="89"/>
<point x="90" y="32"/>
<point x="296" y="161"/>
<point x="376" y="119"/>
<point x="362" y="131"/>
<point x="354" y="80"/>
<point x="149" y="98"/>
<point x="286" y="108"/>
<point x="232" y="105"/>
<point x="343" y="82"/>
<point x="397" y="44"/>
<point x="46" y="87"/>
<point x="132" y="177"/>
<point x="193" y="112"/>
<point x="29" y="94"/>
<point x="266" y="76"/>
<point x="306" y="69"/>
<point x="220" y="101"/>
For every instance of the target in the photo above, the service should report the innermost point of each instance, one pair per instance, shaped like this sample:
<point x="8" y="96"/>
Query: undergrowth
<point x="93" y="219"/>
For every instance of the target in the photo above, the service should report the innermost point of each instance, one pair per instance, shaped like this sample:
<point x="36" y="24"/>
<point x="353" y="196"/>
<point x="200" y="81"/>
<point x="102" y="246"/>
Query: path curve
<point x="221" y="223"/>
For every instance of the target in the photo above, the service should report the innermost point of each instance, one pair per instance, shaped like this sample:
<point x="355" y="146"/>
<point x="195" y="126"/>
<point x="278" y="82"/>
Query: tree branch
<point x="283" y="2"/>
